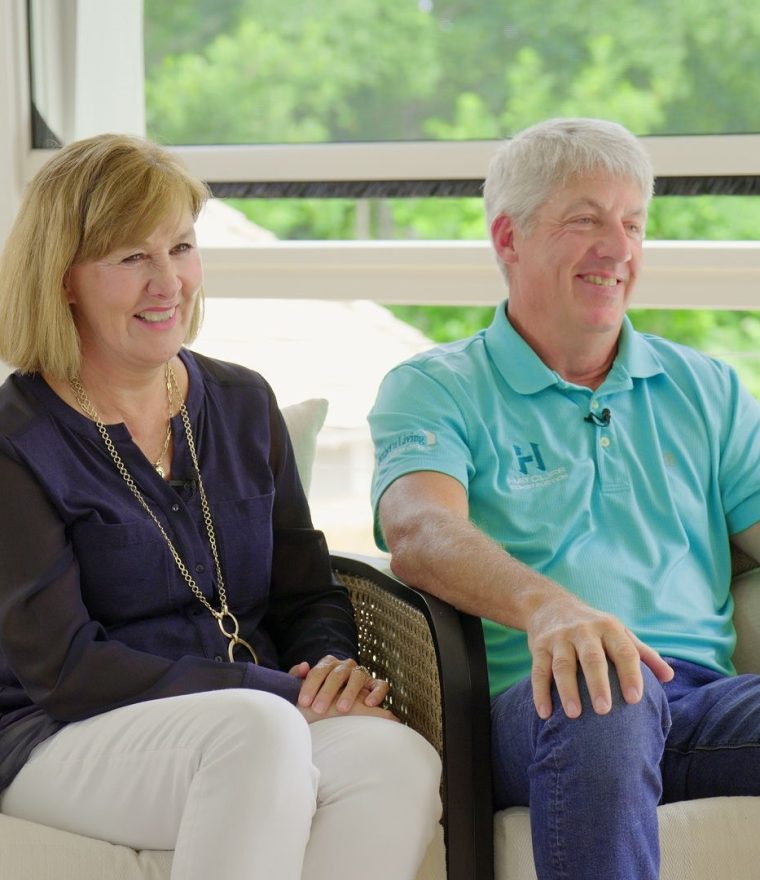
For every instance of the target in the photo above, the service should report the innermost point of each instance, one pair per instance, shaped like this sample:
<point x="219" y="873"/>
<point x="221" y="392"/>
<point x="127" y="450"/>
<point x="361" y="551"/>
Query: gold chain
<point x="233" y="636"/>
<point x="170" y="398"/>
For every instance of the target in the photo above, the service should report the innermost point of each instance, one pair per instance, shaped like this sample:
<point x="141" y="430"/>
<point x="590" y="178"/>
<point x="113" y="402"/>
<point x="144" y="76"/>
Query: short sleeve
<point x="417" y="425"/>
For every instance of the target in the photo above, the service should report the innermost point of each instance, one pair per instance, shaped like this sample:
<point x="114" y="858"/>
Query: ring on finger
<point x="364" y="670"/>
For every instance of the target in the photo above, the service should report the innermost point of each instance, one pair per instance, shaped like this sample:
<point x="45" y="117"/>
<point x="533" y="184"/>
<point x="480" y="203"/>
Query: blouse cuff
<point x="273" y="680"/>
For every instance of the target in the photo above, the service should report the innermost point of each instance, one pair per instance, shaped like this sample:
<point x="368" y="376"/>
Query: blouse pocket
<point x="124" y="569"/>
<point x="244" y="535"/>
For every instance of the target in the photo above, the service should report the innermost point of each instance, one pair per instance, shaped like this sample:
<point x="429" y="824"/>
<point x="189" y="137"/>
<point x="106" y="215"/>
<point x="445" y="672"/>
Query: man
<point x="576" y="484"/>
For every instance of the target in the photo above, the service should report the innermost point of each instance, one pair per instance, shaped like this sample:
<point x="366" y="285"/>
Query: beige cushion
<point x="34" y="852"/>
<point x="700" y="840"/>
<point x="746" y="592"/>
<point x="304" y="421"/>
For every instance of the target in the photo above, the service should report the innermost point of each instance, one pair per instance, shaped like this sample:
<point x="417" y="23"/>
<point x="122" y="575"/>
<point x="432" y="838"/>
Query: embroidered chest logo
<point x="533" y="472"/>
<point x="533" y="458"/>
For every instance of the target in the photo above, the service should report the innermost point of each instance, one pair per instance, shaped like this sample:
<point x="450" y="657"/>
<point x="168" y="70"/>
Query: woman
<point x="176" y="658"/>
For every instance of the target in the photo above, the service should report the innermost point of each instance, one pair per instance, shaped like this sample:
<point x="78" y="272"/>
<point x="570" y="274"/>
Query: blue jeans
<point x="593" y="783"/>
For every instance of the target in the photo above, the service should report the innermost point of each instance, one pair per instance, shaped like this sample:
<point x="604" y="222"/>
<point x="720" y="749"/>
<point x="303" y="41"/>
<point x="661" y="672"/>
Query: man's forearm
<point x="446" y="555"/>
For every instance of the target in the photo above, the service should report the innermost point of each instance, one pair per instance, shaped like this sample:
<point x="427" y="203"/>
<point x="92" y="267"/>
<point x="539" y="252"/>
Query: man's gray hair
<point x="527" y="168"/>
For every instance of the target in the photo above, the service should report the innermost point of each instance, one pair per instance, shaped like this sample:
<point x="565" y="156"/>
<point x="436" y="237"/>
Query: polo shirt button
<point x="175" y="508"/>
<point x="200" y="568"/>
<point x="594" y="404"/>
<point x="605" y="441"/>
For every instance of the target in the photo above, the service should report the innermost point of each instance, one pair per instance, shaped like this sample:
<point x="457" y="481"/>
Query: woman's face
<point x="133" y="307"/>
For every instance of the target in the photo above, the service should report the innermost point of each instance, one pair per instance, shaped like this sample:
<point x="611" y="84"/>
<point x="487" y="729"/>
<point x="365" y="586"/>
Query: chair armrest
<point x="745" y="589"/>
<point x="740" y="561"/>
<point x="434" y="660"/>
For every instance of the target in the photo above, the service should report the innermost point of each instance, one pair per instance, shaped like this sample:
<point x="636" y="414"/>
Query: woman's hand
<point x="335" y="686"/>
<point x="358" y="708"/>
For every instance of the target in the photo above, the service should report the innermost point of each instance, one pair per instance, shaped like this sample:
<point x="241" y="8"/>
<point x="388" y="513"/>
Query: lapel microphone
<point x="189" y="483"/>
<point x="600" y="421"/>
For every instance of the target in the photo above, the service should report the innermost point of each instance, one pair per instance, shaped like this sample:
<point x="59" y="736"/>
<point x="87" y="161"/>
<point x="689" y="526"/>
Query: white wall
<point x="14" y="110"/>
<point x="89" y="72"/>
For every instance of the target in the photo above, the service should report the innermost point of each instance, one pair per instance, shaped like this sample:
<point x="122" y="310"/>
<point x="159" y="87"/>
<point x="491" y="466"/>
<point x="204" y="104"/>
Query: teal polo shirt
<point x="634" y="517"/>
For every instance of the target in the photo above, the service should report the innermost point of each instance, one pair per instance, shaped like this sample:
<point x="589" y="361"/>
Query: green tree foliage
<point x="268" y="71"/>
<point x="653" y="65"/>
<point x="298" y="71"/>
<point x="173" y="28"/>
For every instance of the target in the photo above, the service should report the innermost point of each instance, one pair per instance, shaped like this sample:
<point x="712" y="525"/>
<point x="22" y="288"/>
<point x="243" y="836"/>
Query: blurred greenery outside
<point x="263" y="71"/>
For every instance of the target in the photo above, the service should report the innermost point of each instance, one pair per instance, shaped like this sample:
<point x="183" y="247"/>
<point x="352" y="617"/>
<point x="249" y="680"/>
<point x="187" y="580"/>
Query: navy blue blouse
<point x="93" y="611"/>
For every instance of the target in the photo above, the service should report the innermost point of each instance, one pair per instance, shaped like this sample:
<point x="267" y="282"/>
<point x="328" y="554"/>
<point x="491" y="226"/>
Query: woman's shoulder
<point x="18" y="407"/>
<point x="232" y="387"/>
<point x="225" y="372"/>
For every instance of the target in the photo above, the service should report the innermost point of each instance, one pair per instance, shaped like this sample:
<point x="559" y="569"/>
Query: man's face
<point x="573" y="271"/>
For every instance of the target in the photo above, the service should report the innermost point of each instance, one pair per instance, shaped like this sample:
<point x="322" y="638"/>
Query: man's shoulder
<point x="710" y="383"/>
<point x="670" y="348"/>
<point x="449" y="358"/>
<point x="679" y="356"/>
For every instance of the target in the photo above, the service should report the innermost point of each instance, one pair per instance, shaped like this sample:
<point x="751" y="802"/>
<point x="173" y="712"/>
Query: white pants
<point x="239" y="785"/>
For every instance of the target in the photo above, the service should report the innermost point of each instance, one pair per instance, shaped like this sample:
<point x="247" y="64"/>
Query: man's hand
<point x="339" y="685"/>
<point x="566" y="637"/>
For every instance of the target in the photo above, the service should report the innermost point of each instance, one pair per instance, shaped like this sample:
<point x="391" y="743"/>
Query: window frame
<point x="675" y="157"/>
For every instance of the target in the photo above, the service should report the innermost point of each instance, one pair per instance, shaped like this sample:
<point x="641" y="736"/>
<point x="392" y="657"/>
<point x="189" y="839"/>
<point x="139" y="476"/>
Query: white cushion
<point x="700" y="840"/>
<point x="304" y="421"/>
<point x="33" y="852"/>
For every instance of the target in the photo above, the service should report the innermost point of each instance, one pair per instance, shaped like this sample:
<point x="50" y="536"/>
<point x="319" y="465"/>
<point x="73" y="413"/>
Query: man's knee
<point x="629" y="734"/>
<point x="628" y="739"/>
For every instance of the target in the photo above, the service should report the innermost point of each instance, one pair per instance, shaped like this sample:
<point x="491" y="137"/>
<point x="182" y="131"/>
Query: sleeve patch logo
<point x="419" y="440"/>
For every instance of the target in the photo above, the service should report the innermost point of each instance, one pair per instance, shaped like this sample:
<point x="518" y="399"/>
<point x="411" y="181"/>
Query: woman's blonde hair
<point x="92" y="197"/>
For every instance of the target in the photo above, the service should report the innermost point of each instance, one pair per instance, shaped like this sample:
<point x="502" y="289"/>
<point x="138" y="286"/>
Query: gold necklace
<point x="170" y="397"/>
<point x="224" y="614"/>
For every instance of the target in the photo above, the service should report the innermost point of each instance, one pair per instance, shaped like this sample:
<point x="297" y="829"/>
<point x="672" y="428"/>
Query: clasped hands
<point x="335" y="687"/>
<point x="567" y="637"/>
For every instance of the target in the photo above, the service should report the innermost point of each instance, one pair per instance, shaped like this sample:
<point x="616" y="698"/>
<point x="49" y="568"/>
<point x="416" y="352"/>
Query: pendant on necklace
<point x="233" y="634"/>
<point x="160" y="471"/>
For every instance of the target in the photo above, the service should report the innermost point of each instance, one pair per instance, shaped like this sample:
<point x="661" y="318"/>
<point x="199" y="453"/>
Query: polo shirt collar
<point x="636" y="354"/>
<point x="526" y="373"/>
<point x="519" y="365"/>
